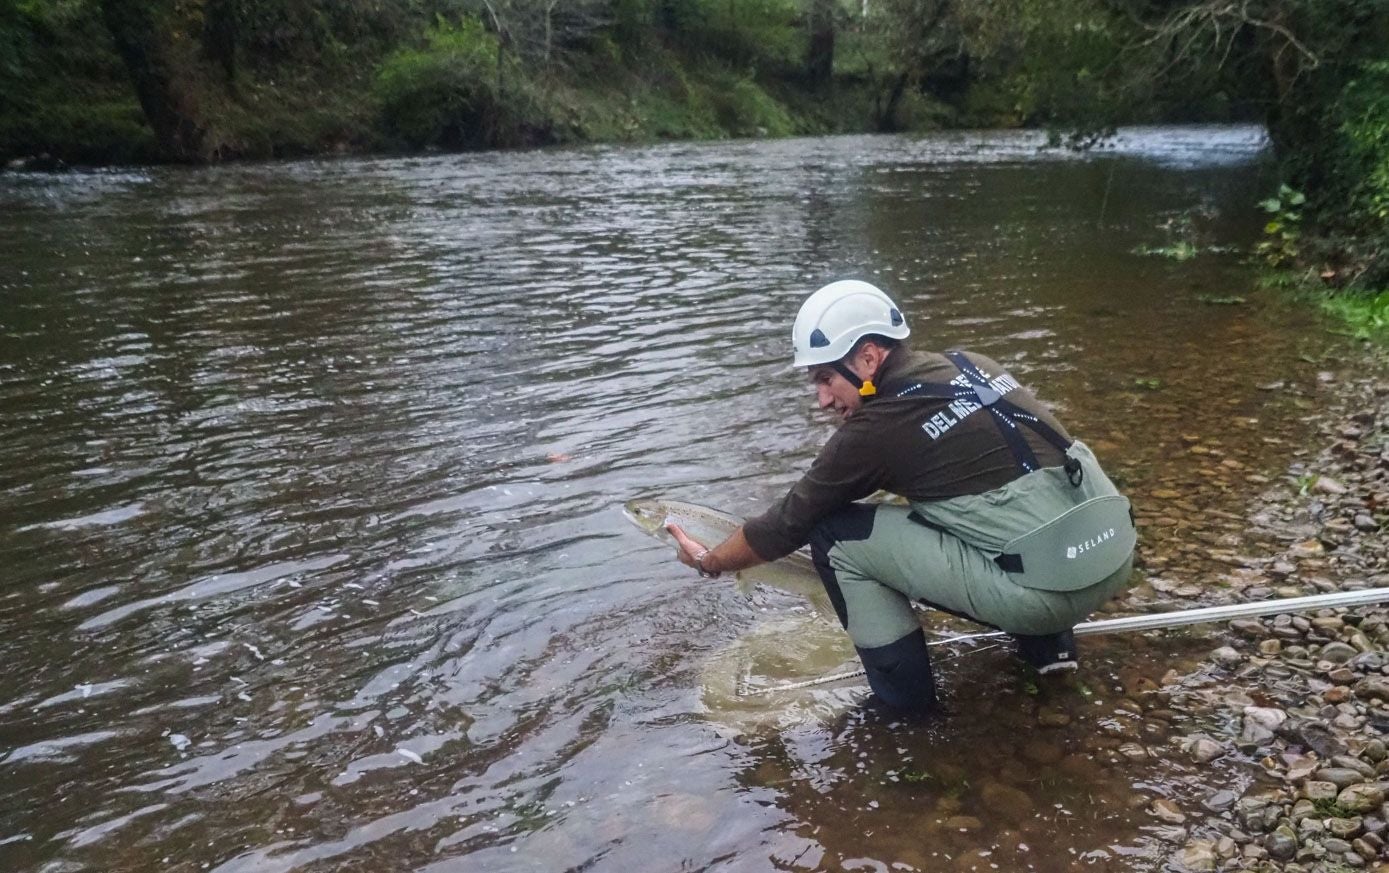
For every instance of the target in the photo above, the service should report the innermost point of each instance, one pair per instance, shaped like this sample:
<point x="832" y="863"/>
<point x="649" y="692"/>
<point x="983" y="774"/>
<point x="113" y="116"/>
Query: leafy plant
<point x="1281" y="244"/>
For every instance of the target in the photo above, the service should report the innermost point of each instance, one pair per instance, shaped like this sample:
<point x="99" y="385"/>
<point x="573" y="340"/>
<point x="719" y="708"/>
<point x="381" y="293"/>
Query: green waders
<point x="876" y="559"/>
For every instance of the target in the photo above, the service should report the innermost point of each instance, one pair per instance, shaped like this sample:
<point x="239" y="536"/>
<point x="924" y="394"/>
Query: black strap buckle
<point x="1075" y="474"/>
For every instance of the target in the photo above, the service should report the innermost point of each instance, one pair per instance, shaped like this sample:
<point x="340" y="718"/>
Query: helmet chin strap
<point x="866" y="388"/>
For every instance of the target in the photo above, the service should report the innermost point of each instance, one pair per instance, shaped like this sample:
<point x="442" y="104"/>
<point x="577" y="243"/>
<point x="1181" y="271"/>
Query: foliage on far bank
<point x="202" y="80"/>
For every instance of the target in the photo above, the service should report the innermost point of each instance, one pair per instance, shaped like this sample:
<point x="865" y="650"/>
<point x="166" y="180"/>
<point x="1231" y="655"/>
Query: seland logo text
<point x="1073" y="552"/>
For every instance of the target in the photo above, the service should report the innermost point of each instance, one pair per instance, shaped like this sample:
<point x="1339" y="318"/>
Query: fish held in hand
<point x="794" y="574"/>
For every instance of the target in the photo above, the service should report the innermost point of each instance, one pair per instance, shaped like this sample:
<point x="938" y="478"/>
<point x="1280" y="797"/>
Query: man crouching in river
<point x="1011" y="523"/>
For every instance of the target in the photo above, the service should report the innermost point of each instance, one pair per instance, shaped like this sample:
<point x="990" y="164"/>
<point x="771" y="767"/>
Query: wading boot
<point x="1049" y="653"/>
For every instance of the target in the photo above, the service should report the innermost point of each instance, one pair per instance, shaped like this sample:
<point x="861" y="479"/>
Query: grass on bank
<point x="1362" y="315"/>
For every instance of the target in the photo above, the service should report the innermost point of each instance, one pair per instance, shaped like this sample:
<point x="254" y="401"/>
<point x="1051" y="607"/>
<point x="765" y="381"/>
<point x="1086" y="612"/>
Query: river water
<point x="311" y="476"/>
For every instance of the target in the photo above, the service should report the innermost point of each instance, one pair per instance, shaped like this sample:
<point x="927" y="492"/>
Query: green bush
<point x="740" y="107"/>
<point x="447" y="93"/>
<point x="1365" y="109"/>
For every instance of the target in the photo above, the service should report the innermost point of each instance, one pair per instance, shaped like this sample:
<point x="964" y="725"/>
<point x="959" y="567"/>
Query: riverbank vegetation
<point x="94" y="81"/>
<point x="109" y="81"/>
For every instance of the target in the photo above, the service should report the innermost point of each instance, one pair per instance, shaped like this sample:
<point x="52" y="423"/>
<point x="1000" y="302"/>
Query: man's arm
<point x="729" y="556"/>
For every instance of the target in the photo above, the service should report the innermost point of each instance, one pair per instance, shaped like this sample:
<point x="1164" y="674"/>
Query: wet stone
<point x="1203" y="749"/>
<point x="1315" y="736"/>
<point x="1248" y="627"/>
<point x="1373" y="688"/>
<point x="1167" y="811"/>
<point x="1316" y="790"/>
<point x="1220" y="801"/>
<point x="1261" y="722"/>
<point x="1361" y="798"/>
<point x="1333" y="844"/>
<point x="1011" y="804"/>
<point x="1310" y="828"/>
<point x="963" y="823"/>
<point x="1281" y="845"/>
<point x="1337" y="652"/>
<point x="1227" y="655"/>
<point x="1198" y="856"/>
<point x="1270" y="647"/>
<point x="1345" y="828"/>
<point x="1369" y="662"/>
<point x="1250" y="811"/>
<point x="1351" y="762"/>
<point x="1341" y="777"/>
<point x="1133" y="751"/>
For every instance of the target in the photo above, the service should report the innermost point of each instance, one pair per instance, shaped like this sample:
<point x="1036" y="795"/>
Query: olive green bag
<point x="1074" y="550"/>
<point x="1049" y="530"/>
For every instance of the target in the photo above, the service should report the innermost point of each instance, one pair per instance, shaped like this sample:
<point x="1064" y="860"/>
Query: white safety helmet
<point x="840" y="314"/>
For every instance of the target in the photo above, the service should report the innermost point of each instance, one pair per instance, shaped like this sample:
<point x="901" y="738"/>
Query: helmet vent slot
<point x="896" y="317"/>
<point x="818" y="340"/>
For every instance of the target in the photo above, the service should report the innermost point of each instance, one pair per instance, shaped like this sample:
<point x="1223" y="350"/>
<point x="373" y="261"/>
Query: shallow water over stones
<point x="310" y="476"/>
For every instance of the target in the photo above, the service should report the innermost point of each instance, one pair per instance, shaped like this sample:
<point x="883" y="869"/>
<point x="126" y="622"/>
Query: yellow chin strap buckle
<point x="867" y="389"/>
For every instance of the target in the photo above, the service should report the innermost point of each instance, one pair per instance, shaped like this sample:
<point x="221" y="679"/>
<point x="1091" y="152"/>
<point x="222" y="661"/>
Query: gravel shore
<point x="1289" y="713"/>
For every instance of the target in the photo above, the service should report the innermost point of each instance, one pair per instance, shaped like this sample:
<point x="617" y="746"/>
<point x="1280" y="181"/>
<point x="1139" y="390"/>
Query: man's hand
<point x="686" y="548"/>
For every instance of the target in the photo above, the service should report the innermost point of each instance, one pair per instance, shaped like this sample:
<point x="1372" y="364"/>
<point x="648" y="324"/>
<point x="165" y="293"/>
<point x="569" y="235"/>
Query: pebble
<point x="1361" y="798"/>
<point x="1203" y="750"/>
<point x="1338" y="652"/>
<point x="1227" y="655"/>
<point x="1281" y="845"/>
<point x="1316" y="790"/>
<point x="1261" y="722"/>
<point x="1341" y="777"/>
<point x="1198" y="856"/>
<point x="1220" y="801"/>
<point x="1346" y="828"/>
<point x="1167" y="811"/>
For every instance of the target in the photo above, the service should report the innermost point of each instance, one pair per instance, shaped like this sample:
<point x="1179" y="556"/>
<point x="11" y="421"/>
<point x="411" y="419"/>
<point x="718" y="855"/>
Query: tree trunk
<point x="887" y="117"/>
<point x="819" y="56"/>
<point x="170" y="106"/>
<point x="219" y="37"/>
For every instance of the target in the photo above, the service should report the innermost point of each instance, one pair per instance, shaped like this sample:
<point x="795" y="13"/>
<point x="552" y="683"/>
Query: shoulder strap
<point x="981" y="392"/>
<point x="1008" y="415"/>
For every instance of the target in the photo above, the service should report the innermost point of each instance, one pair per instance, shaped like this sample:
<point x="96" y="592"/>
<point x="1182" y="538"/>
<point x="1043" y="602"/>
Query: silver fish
<point x="794" y="573"/>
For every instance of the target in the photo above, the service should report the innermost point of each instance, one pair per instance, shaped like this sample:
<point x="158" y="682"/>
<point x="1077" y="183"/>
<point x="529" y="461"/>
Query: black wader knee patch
<point x="853" y="523"/>
<point x="900" y="673"/>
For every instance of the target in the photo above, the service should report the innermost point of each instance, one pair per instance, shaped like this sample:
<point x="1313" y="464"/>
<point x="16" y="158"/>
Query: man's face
<point x="833" y="392"/>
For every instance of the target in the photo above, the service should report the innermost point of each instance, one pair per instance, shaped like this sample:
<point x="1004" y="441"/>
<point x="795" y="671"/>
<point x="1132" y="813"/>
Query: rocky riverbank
<point x="1286" y="719"/>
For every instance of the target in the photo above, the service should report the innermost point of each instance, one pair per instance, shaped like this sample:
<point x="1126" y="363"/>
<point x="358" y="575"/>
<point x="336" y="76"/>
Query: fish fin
<point x="744" y="585"/>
